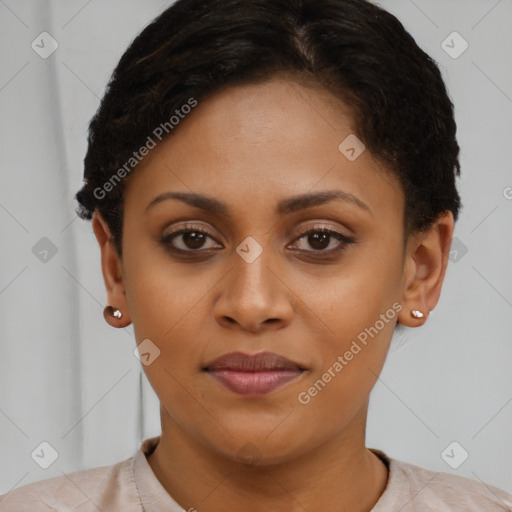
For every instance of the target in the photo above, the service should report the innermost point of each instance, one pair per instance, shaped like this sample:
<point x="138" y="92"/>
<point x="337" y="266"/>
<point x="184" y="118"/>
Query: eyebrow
<point x="285" y="206"/>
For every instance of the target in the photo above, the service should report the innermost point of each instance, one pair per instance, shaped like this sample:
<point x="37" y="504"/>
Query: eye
<point x="323" y="239"/>
<point x="188" y="239"/>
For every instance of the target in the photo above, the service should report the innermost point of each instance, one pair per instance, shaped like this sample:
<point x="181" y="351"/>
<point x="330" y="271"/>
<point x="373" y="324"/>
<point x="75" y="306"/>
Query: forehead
<point x="259" y="143"/>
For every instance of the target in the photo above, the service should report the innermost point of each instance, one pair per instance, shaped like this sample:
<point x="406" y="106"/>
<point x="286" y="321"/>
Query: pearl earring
<point x="416" y="313"/>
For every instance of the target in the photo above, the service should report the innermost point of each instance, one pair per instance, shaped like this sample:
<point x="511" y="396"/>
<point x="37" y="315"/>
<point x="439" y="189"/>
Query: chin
<point x="262" y="450"/>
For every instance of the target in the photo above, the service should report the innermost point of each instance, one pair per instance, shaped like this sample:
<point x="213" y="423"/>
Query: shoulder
<point x="416" y="488"/>
<point x="88" y="490"/>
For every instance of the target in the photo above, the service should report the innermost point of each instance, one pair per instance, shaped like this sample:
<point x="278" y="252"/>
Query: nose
<point x="254" y="296"/>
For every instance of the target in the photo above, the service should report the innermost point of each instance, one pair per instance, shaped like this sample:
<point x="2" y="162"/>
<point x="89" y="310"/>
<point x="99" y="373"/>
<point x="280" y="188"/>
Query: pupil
<point x="317" y="240"/>
<point x="193" y="239"/>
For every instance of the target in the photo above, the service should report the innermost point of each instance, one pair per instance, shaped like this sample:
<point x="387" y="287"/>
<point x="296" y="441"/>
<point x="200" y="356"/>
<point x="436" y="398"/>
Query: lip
<point x="253" y="375"/>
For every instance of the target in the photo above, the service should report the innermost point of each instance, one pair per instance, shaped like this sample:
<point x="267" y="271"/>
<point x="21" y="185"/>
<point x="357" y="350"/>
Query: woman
<point x="272" y="187"/>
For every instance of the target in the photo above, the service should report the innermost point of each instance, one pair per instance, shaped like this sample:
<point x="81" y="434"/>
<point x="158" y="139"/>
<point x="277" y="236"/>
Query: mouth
<point x="253" y="375"/>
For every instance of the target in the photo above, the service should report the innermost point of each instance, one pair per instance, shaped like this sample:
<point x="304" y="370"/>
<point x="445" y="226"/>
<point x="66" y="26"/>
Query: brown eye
<point x="320" y="239"/>
<point x="187" y="240"/>
<point x="194" y="239"/>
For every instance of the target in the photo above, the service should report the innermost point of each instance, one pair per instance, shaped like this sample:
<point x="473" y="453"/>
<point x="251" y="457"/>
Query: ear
<point x="425" y="265"/>
<point x="112" y="269"/>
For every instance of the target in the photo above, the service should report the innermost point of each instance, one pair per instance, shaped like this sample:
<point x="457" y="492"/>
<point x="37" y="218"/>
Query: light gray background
<point x="68" y="378"/>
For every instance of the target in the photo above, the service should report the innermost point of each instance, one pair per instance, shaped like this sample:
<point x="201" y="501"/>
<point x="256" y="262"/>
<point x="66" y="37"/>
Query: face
<point x="275" y="267"/>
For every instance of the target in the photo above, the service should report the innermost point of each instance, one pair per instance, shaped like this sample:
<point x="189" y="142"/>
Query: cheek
<point x="161" y="294"/>
<point x="357" y="308"/>
<point x="353" y="296"/>
<point x="167" y="306"/>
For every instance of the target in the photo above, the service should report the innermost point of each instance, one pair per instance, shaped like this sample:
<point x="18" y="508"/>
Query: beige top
<point x="131" y="486"/>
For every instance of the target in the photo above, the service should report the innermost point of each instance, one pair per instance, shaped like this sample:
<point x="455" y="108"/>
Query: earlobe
<point x="111" y="266"/>
<point x="424" y="270"/>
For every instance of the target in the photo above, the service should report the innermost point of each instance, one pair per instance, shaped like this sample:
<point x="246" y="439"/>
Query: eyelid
<point x="183" y="221"/>
<point x="190" y="226"/>
<point x="324" y="225"/>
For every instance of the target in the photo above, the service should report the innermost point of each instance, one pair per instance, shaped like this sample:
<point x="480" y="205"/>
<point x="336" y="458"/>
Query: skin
<point x="251" y="146"/>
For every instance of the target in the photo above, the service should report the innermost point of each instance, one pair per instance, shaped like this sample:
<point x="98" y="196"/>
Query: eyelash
<point x="344" y="241"/>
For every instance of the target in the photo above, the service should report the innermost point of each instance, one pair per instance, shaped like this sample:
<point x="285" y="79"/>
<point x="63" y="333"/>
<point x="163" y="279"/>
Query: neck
<point x="340" y="474"/>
